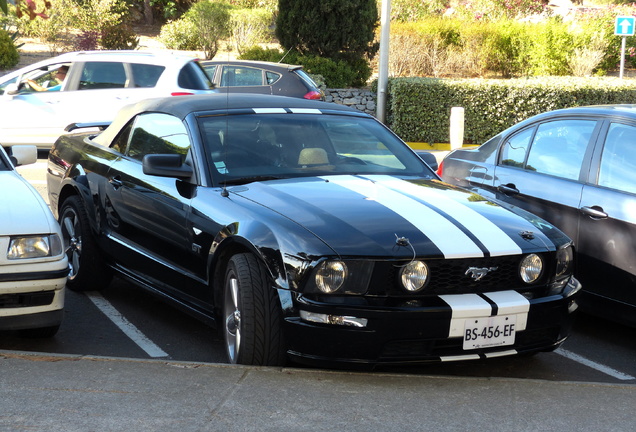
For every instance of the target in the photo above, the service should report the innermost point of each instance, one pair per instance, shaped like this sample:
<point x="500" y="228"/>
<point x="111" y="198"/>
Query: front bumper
<point x="427" y="331"/>
<point x="33" y="299"/>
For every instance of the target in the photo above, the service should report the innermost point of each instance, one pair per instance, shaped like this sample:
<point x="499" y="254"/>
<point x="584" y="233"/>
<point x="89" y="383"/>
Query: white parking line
<point x="126" y="326"/>
<point x="594" y="365"/>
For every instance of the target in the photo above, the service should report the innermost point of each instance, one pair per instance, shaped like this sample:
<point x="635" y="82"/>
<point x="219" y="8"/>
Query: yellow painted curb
<point x="435" y="146"/>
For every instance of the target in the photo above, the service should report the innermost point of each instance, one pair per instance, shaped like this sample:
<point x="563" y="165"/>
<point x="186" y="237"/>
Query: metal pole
<point x="383" y="64"/>
<point x="622" y="57"/>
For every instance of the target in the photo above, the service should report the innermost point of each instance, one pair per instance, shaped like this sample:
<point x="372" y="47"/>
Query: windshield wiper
<point x="250" y="179"/>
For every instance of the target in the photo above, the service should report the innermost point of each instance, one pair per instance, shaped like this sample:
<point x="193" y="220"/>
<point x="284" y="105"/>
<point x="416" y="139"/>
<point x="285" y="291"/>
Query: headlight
<point x="34" y="247"/>
<point x="530" y="268"/>
<point x="565" y="261"/>
<point x="414" y="276"/>
<point x="330" y="276"/>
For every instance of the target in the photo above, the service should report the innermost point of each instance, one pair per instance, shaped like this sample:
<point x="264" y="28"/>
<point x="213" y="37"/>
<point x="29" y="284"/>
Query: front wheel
<point x="87" y="270"/>
<point x="252" y="318"/>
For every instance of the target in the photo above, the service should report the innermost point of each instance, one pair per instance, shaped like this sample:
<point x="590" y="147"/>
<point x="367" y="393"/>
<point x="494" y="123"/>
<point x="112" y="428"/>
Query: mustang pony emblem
<point x="479" y="272"/>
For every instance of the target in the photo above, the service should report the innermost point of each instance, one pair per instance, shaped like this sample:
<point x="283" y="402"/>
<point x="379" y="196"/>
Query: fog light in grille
<point x="414" y="276"/>
<point x="530" y="268"/>
<point x="348" y="321"/>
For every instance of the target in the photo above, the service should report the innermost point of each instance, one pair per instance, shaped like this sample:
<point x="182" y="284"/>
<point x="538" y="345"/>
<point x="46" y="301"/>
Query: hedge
<point x="418" y="109"/>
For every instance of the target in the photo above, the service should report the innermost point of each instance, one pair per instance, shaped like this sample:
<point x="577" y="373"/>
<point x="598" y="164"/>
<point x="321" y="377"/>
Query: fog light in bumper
<point x="348" y="321"/>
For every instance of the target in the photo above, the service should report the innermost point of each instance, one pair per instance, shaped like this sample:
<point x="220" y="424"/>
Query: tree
<point x="328" y="28"/>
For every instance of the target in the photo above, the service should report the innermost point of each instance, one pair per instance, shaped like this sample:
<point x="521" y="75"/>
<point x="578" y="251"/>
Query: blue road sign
<point x="624" y="26"/>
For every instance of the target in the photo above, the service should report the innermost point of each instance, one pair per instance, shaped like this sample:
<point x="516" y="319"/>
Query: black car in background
<point x="245" y="76"/>
<point x="575" y="168"/>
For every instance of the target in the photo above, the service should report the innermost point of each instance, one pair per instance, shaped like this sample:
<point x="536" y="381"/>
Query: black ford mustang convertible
<point x="306" y="230"/>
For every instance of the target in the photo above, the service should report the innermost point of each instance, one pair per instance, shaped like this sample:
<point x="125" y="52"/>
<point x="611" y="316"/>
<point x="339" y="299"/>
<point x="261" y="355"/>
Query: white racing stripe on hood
<point x="492" y="237"/>
<point x="448" y="238"/>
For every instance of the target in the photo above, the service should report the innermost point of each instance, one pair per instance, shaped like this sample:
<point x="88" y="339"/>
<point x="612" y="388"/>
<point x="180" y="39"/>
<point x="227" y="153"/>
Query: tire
<point x="39" y="333"/>
<point x="87" y="270"/>
<point x="252" y="317"/>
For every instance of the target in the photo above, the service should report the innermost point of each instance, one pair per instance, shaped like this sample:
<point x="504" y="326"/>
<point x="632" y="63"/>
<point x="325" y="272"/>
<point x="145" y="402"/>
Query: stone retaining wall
<point x="361" y="99"/>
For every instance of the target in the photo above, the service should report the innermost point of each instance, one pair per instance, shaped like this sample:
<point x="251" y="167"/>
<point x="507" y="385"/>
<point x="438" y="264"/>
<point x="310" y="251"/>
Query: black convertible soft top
<point x="182" y="106"/>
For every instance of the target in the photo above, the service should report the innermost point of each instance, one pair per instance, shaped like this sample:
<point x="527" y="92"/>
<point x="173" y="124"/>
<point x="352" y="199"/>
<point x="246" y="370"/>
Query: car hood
<point x="23" y="211"/>
<point x="372" y="215"/>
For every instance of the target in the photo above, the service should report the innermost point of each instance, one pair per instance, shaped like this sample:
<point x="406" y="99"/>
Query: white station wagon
<point x="37" y="103"/>
<point x="33" y="266"/>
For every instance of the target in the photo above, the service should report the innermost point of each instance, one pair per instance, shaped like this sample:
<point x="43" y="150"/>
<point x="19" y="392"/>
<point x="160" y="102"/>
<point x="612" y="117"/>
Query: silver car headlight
<point x="39" y="246"/>
<point x="414" y="276"/>
<point x="330" y="276"/>
<point x="530" y="268"/>
<point x="565" y="261"/>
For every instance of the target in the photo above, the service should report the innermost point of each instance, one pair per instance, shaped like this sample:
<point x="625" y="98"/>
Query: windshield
<point x="249" y="147"/>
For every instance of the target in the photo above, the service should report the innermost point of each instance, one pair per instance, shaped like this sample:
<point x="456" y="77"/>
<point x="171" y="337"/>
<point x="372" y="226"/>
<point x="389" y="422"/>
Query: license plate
<point x="489" y="332"/>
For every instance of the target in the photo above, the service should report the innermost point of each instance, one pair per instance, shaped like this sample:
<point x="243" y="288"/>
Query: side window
<point x="145" y="75"/>
<point x="234" y="76"/>
<point x="210" y="70"/>
<point x="272" y="77"/>
<point x="514" y="150"/>
<point x="102" y="75"/>
<point x="158" y="134"/>
<point x="618" y="161"/>
<point x="559" y="147"/>
<point x="121" y="141"/>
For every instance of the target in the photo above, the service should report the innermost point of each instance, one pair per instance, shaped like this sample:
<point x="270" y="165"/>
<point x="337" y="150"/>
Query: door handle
<point x="115" y="182"/>
<point x="595" y="212"/>
<point x="508" y="189"/>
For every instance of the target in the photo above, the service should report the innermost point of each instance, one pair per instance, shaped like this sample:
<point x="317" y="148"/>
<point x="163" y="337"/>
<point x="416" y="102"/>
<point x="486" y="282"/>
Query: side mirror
<point x="166" y="165"/>
<point x="23" y="154"/>
<point x="429" y="158"/>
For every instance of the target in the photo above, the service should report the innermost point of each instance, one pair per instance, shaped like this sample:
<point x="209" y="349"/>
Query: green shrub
<point x="200" y="28"/>
<point x="250" y="27"/>
<point x="9" y="56"/>
<point x="119" y="37"/>
<point x="550" y="48"/>
<point x="264" y="54"/>
<point x="336" y="73"/>
<point x="180" y="35"/>
<point x="419" y="108"/>
<point x="212" y="23"/>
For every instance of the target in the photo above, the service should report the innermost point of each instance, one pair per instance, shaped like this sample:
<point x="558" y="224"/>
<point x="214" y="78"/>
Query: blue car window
<point x="618" y="161"/>
<point x="234" y="76"/>
<point x="513" y="152"/>
<point x="103" y="75"/>
<point x="559" y="147"/>
<point x="146" y="75"/>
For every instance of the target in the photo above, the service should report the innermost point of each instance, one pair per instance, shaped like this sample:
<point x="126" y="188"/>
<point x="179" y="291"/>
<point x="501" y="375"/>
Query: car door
<point x="99" y="89"/>
<point x="607" y="240"/>
<point x="33" y="117"/>
<point x="540" y="169"/>
<point x="148" y="215"/>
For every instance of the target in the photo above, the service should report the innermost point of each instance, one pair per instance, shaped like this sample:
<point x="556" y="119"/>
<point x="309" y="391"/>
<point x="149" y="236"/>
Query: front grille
<point x="26" y="299"/>
<point x="448" y="276"/>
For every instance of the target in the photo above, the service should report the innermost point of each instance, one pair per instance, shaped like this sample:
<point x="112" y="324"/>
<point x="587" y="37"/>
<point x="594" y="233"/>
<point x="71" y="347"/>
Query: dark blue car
<point x="575" y="168"/>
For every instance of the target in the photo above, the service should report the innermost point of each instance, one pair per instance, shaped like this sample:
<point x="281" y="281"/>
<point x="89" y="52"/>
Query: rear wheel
<point x="87" y="270"/>
<point x="252" y="318"/>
